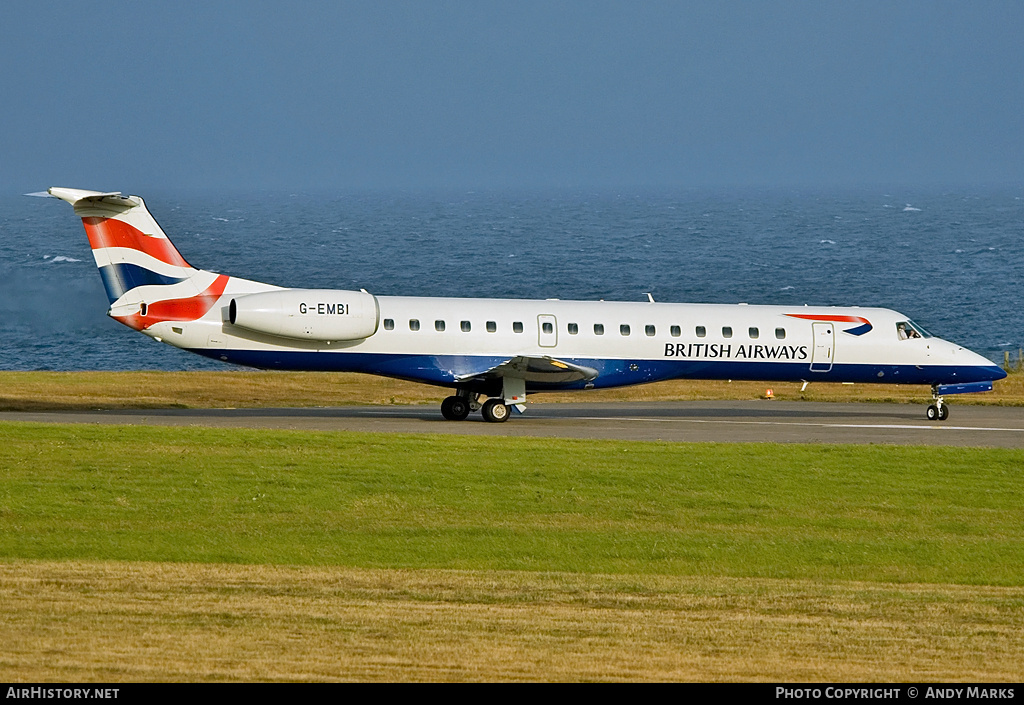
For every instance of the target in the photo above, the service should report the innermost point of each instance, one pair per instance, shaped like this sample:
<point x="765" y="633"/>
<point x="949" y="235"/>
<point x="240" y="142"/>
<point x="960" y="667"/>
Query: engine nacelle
<point x="308" y="314"/>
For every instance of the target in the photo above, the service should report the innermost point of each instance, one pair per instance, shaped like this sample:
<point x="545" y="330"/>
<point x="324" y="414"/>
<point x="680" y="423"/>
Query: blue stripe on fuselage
<point x="446" y="370"/>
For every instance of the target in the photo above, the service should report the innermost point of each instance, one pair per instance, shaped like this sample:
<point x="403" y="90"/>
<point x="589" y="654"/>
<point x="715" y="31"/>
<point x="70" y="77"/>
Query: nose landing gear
<point x="937" y="411"/>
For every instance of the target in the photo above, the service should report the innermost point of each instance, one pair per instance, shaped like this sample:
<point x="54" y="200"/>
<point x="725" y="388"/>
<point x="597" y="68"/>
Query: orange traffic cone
<point x="768" y="394"/>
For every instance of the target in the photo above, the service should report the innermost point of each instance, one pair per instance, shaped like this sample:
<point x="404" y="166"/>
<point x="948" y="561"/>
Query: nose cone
<point x="996" y="373"/>
<point x="985" y="370"/>
<point x="967" y="366"/>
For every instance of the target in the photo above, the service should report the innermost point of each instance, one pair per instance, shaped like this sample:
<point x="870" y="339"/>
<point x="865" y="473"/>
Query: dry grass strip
<point x="108" y="621"/>
<point x="38" y="391"/>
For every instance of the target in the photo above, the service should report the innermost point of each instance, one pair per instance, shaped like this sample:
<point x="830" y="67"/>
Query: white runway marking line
<point x="801" y="423"/>
<point x="527" y="417"/>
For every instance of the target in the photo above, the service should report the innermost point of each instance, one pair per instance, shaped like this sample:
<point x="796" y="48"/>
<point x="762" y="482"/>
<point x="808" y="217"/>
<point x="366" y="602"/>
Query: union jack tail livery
<point x="146" y="278"/>
<point x="492" y="352"/>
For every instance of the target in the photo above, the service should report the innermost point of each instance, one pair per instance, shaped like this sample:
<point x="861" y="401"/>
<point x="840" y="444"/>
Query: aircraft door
<point x="824" y="347"/>
<point x="547" y="331"/>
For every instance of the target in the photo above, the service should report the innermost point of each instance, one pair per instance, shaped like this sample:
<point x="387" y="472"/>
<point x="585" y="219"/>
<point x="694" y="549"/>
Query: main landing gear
<point x="455" y="408"/>
<point x="495" y="411"/>
<point x="458" y="407"/>
<point x="937" y="411"/>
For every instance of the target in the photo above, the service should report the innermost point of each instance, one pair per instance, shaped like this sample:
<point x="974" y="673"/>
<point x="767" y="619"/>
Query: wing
<point x="544" y="369"/>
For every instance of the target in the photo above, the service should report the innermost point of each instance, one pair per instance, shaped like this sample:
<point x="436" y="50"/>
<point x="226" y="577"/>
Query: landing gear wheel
<point x="455" y="408"/>
<point x="938" y="413"/>
<point x="495" y="411"/>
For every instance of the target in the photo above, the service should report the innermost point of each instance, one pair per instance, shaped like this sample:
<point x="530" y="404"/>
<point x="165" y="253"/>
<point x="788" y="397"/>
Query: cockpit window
<point x="919" y="329"/>
<point x="908" y="329"/>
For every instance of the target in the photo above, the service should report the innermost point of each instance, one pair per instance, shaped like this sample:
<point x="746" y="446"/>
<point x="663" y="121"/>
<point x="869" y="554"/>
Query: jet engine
<point x="308" y="314"/>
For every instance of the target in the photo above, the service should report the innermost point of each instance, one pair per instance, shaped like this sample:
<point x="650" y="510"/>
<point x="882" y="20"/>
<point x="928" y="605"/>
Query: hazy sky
<point x="408" y="95"/>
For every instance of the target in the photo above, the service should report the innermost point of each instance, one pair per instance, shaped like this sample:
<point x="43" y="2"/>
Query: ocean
<point x="951" y="260"/>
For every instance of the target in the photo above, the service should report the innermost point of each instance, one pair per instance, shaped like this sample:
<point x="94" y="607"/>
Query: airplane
<point x="493" y="352"/>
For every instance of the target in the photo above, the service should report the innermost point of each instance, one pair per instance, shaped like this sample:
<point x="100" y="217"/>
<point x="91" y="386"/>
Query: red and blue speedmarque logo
<point x="864" y="327"/>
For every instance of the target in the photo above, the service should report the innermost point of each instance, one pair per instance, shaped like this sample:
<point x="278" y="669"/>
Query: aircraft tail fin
<point x="129" y="246"/>
<point x="145" y="277"/>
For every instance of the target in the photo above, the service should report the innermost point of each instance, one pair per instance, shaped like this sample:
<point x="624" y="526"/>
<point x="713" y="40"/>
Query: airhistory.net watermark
<point x="41" y="693"/>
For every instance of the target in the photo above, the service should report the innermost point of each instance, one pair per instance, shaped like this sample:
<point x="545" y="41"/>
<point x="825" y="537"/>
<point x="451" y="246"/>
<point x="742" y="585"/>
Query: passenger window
<point x="649" y="330"/>
<point x="414" y="324"/>
<point x="623" y="329"/>
<point x="780" y="333"/>
<point x="547" y="327"/>
<point x="675" y="331"/>
<point x="598" y="329"/>
<point x="754" y="333"/>
<point x="727" y="331"/>
<point x="573" y="329"/>
<point x="389" y="324"/>
<point x="701" y="331"/>
<point x="492" y="327"/>
<point x="517" y="327"/>
<point x="439" y="326"/>
<point x="466" y="327"/>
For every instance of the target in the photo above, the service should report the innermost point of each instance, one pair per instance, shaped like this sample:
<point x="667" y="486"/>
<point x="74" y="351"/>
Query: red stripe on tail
<point x="110" y="232"/>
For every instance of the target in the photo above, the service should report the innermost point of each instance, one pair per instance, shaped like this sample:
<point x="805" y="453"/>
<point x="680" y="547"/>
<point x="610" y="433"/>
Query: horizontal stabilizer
<point x="96" y="204"/>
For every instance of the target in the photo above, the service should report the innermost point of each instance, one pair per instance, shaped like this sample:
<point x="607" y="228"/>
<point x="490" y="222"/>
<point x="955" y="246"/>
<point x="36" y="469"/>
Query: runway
<point x="693" y="421"/>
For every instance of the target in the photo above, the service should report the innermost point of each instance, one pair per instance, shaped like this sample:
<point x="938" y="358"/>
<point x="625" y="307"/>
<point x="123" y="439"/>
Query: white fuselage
<point x="444" y="340"/>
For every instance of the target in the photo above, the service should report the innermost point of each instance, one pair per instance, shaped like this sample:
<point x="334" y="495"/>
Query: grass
<point x="890" y="514"/>
<point x="76" y="621"/>
<point x="37" y="391"/>
<point x="130" y="553"/>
